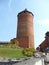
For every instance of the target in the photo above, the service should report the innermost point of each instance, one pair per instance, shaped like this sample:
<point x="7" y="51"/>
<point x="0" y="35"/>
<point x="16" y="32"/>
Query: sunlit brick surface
<point x="25" y="30"/>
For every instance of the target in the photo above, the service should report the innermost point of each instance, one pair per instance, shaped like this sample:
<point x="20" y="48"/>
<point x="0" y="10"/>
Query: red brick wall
<point x="25" y="31"/>
<point x="44" y="44"/>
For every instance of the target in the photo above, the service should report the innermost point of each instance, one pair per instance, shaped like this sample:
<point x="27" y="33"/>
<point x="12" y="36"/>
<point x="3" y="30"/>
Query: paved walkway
<point x="29" y="61"/>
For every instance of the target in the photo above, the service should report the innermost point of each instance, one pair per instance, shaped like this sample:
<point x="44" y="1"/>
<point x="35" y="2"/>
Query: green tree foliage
<point x="13" y="44"/>
<point x="16" y="43"/>
<point x="28" y="51"/>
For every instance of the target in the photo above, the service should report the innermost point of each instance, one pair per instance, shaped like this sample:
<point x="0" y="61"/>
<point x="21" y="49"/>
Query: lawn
<point x="11" y="53"/>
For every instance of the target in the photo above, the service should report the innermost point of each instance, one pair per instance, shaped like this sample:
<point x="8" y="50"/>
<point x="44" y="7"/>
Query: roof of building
<point x="47" y="34"/>
<point x="26" y="11"/>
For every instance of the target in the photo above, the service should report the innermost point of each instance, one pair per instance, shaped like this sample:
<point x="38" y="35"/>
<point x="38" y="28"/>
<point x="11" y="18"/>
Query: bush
<point x="28" y="51"/>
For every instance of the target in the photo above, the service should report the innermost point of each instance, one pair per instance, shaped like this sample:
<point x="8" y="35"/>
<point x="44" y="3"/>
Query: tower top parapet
<point x="24" y="11"/>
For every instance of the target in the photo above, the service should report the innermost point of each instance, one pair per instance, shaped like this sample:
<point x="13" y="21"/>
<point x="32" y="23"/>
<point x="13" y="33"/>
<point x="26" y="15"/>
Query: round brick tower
<point x="25" y="30"/>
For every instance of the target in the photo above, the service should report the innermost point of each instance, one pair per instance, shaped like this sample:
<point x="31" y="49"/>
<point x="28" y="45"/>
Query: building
<point x="25" y="29"/>
<point x="44" y="46"/>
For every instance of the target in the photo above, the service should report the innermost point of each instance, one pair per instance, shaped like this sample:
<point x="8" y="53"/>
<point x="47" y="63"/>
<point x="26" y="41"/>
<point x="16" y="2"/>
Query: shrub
<point x="13" y="44"/>
<point x="28" y="51"/>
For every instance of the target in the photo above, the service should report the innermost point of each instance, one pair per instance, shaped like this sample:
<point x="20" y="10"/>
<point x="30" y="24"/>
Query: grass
<point x="11" y="53"/>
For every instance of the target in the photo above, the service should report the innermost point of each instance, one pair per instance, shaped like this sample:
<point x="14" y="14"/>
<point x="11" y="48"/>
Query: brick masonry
<point x="25" y="29"/>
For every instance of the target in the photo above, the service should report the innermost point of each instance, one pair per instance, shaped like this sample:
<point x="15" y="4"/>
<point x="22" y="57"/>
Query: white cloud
<point x="9" y="3"/>
<point x="43" y="22"/>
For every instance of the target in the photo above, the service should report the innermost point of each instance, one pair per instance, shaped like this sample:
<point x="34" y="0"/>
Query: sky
<point x="9" y="10"/>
